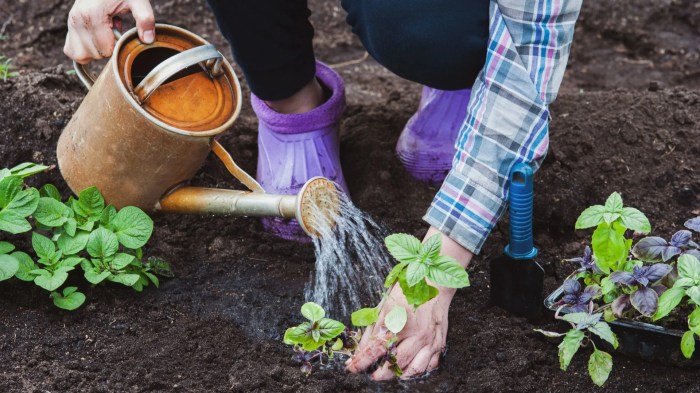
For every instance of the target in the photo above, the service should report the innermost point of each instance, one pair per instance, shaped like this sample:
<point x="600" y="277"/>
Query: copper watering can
<point x="148" y="123"/>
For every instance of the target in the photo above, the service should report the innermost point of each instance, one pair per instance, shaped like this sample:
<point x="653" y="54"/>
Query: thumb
<point x="145" y="21"/>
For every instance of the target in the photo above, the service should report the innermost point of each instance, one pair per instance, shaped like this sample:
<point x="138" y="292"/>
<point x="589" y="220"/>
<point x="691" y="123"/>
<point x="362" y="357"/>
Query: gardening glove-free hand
<point x="90" y="25"/>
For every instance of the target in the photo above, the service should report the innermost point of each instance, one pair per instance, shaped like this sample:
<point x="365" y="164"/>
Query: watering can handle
<point x="234" y="169"/>
<point x="162" y="72"/>
<point x="83" y="74"/>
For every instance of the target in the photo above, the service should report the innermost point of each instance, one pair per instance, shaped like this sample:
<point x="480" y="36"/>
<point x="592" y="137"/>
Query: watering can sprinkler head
<point x="315" y="206"/>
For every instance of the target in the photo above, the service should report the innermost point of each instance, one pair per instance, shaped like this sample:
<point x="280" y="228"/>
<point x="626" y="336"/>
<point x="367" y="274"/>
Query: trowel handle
<point x="521" y="245"/>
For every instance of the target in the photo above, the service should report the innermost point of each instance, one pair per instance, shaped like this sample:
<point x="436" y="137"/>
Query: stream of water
<point x="351" y="261"/>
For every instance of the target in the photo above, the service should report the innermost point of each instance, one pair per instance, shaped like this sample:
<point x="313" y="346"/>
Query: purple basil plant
<point x="657" y="249"/>
<point x="587" y="262"/>
<point x="575" y="299"/>
<point x="645" y="298"/>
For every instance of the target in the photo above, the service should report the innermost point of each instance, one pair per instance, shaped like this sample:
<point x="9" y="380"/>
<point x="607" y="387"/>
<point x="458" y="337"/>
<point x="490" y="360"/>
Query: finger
<point x="103" y="40"/>
<point x="405" y="352"/>
<point x="434" y="362"/>
<point x="74" y="49"/>
<point x="145" y="20"/>
<point x="367" y="354"/>
<point x="419" y="364"/>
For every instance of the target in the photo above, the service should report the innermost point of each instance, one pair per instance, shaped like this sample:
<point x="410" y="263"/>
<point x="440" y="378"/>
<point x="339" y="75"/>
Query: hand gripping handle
<point x="521" y="245"/>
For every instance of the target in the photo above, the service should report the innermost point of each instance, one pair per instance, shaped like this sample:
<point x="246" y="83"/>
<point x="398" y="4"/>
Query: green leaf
<point x="614" y="203"/>
<point x="9" y="265"/>
<point x="53" y="281"/>
<point x="25" y="202"/>
<point x="608" y="245"/>
<point x="94" y="276"/>
<point x="70" y="300"/>
<point x="602" y="330"/>
<point x="127" y="279"/>
<point x="43" y="246"/>
<point x="610" y="217"/>
<point x="694" y="294"/>
<point x="51" y="213"/>
<point x="71" y="226"/>
<point x="338" y="345"/>
<point x="569" y="346"/>
<point x="6" y="247"/>
<point x="446" y="272"/>
<point x="694" y="321"/>
<point x="591" y="217"/>
<point x="329" y="328"/>
<point x="689" y="266"/>
<point x="90" y="203"/>
<point x="50" y="191"/>
<point x="10" y="186"/>
<point x="301" y="335"/>
<point x="27" y="169"/>
<point x="403" y="247"/>
<point x="606" y="285"/>
<point x="396" y="319"/>
<point x="394" y="274"/>
<point x="153" y="279"/>
<point x="70" y="262"/>
<point x="599" y="367"/>
<point x="312" y="311"/>
<point x="121" y="261"/>
<point x="668" y="301"/>
<point x="73" y="245"/>
<point x="431" y="248"/>
<point x="102" y="243"/>
<point x="635" y="220"/>
<point x="688" y="344"/>
<point x="684" y="283"/>
<point x="417" y="294"/>
<point x="365" y="317"/>
<point x="132" y="227"/>
<point x="107" y="216"/>
<point x="13" y="223"/>
<point x="26" y="264"/>
<point x="415" y="272"/>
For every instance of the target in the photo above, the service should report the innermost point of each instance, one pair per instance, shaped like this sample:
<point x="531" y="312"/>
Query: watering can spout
<point x="314" y="207"/>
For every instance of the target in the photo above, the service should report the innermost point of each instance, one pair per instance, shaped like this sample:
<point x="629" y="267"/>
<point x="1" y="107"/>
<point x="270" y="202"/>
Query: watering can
<point x="148" y="123"/>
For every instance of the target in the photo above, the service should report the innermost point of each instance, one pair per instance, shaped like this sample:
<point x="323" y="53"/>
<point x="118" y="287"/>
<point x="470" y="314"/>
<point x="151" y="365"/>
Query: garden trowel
<point x="516" y="278"/>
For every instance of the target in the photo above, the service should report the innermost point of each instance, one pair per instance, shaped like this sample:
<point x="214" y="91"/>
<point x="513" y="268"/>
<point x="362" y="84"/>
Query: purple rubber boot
<point x="294" y="148"/>
<point x="427" y="144"/>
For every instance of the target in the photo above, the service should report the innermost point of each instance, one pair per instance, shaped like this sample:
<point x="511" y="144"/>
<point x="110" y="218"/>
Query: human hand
<point x="90" y="25"/>
<point x="423" y="338"/>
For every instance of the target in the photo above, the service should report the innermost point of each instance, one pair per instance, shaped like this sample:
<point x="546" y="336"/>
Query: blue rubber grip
<point x="521" y="245"/>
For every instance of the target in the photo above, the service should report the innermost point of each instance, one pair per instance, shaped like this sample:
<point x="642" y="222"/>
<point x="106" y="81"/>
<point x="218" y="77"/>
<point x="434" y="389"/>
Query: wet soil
<point x="628" y="119"/>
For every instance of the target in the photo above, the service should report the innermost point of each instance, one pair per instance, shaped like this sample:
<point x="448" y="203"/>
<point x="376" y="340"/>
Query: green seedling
<point x="103" y="242"/>
<point x="6" y="69"/>
<point x="417" y="264"/>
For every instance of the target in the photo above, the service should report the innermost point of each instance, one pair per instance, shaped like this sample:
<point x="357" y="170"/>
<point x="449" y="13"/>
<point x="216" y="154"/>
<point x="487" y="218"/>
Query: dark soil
<point x="217" y="325"/>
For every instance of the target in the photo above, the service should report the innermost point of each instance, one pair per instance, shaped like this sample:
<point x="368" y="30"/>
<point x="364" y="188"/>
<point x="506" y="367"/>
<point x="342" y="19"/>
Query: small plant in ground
<point x="618" y="280"/>
<point x="80" y="232"/>
<point x="6" y="69"/>
<point x="418" y="263"/>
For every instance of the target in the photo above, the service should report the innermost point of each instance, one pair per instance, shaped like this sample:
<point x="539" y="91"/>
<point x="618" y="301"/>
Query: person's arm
<point x="507" y="123"/>
<point x="508" y="116"/>
<point x="90" y="25"/>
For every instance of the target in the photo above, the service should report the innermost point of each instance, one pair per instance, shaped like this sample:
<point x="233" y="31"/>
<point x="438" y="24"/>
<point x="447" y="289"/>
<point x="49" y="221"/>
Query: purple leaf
<point x="620" y="304"/>
<point x="694" y="253"/>
<point x="623" y="278"/>
<point x="650" y="249"/>
<point x="670" y="252"/>
<point x="645" y="300"/>
<point x="572" y="286"/>
<point x="693" y="224"/>
<point x="681" y="238"/>
<point x="656" y="272"/>
<point x="593" y="291"/>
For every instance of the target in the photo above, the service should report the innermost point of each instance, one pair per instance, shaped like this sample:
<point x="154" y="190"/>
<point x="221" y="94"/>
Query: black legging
<point x="438" y="43"/>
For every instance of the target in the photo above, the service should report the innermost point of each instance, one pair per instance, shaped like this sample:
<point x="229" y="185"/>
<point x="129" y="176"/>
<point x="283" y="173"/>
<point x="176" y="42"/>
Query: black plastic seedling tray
<point x="643" y="340"/>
